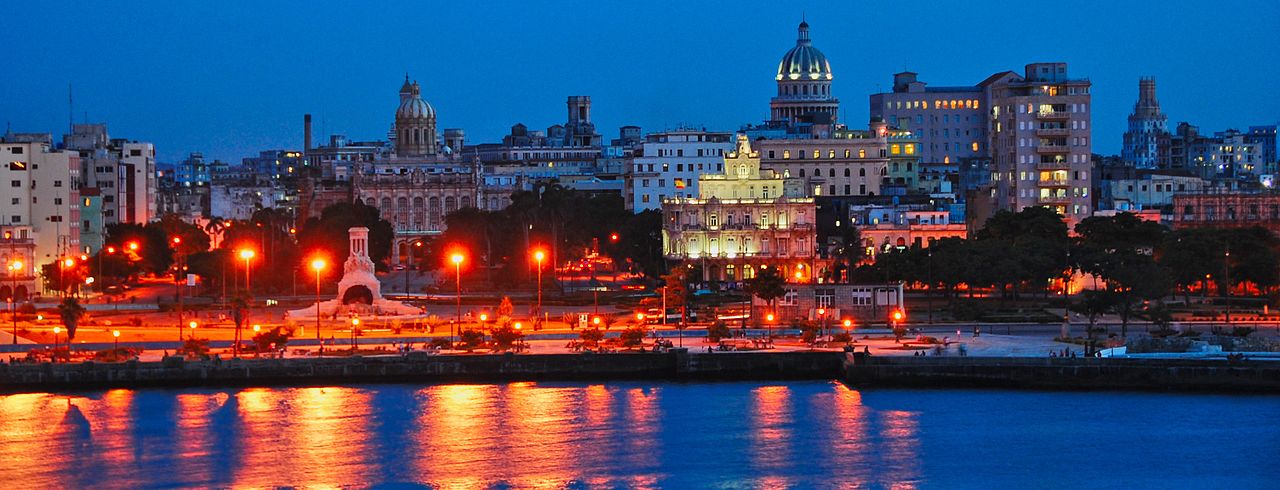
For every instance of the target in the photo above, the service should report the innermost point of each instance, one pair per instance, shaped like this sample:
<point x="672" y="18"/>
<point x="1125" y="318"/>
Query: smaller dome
<point x="411" y="104"/>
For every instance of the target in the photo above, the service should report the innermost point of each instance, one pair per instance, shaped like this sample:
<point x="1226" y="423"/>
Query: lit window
<point x="786" y="154"/>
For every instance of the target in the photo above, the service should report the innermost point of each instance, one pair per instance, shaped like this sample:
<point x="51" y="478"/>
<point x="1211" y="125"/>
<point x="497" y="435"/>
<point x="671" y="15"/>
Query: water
<point x="636" y="434"/>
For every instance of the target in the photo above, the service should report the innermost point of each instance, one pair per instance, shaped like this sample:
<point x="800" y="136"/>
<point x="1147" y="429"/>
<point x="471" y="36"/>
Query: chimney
<point x="306" y="133"/>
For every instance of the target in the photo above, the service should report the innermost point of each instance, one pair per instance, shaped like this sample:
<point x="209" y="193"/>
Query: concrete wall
<point x="420" y="367"/>
<point x="1062" y="373"/>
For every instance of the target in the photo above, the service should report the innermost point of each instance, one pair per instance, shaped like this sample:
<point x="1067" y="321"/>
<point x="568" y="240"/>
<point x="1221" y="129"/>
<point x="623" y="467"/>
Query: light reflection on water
<point x="632" y="435"/>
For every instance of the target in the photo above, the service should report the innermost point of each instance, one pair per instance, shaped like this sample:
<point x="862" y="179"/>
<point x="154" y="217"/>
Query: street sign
<point x="582" y="320"/>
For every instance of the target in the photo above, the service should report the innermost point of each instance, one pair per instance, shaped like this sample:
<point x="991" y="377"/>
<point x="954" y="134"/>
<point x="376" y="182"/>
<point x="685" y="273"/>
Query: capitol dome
<point x="804" y="62"/>
<point x="411" y="104"/>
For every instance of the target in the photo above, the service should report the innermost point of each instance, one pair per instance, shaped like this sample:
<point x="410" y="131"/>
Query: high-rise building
<point x="1147" y="125"/>
<point x="40" y="210"/>
<point x="1041" y="147"/>
<point x="951" y="122"/>
<point x="123" y="171"/>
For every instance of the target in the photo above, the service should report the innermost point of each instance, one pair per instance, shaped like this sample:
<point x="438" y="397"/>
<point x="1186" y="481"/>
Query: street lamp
<point x="355" y="324"/>
<point x="14" y="267"/>
<point x="56" y="331"/>
<point x="457" y="259"/>
<point x="538" y="256"/>
<point x="247" y="255"/>
<point x="191" y="335"/>
<point x="116" y="335"/>
<point x="318" y="265"/>
<point x="177" y="281"/>
<point x="768" y="318"/>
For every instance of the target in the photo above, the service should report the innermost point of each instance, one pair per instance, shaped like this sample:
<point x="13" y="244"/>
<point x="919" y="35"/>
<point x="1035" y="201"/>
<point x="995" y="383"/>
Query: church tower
<point x="415" y="129"/>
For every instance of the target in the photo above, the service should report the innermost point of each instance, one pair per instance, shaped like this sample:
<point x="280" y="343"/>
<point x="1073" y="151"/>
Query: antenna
<point x="71" y="109"/>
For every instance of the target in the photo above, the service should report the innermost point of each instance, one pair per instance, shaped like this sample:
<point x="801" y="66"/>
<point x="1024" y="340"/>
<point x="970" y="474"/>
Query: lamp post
<point x="14" y="267"/>
<point x="1226" y="275"/>
<point x="457" y="259"/>
<point x="177" y="281"/>
<point x="192" y="324"/>
<point x="56" y="331"/>
<point x="768" y="318"/>
<point x="318" y="265"/>
<point x="538" y="256"/>
<point x="355" y="324"/>
<point x="115" y="334"/>
<point x="247" y="255"/>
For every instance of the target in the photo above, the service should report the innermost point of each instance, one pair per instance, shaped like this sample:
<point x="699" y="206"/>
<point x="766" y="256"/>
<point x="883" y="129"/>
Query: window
<point x="17" y="183"/>
<point x="786" y="154"/>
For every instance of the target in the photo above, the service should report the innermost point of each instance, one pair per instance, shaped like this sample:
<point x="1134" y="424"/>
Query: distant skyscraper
<point x="1146" y="126"/>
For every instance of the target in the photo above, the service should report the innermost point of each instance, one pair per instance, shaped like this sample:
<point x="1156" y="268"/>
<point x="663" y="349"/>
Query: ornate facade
<point x="741" y="222"/>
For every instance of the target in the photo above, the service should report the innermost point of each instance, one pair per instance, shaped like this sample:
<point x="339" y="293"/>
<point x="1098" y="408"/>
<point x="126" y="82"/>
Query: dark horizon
<point x="230" y="80"/>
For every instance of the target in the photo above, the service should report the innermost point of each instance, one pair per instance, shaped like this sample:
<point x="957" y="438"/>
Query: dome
<point x="804" y="62"/>
<point x="411" y="104"/>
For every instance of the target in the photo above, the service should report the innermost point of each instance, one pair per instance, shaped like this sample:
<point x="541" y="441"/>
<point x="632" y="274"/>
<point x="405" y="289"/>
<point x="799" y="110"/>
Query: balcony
<point x="1053" y="115"/>
<point x="1052" y="148"/>
<point x="1063" y="199"/>
<point x="1053" y="182"/>
<point x="1055" y="165"/>
<point x="1053" y="132"/>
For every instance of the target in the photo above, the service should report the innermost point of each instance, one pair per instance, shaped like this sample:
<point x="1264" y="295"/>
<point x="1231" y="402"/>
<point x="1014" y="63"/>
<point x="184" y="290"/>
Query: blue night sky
<point x="231" y="78"/>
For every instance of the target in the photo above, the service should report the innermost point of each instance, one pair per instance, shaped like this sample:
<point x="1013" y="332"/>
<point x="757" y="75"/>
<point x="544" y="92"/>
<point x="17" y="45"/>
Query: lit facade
<point x="950" y="122"/>
<point x="40" y="210"/>
<point x="668" y="164"/>
<point x="741" y="221"/>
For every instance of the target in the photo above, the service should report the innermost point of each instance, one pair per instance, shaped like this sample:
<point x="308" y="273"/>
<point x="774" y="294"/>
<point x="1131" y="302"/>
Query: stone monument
<point x="359" y="291"/>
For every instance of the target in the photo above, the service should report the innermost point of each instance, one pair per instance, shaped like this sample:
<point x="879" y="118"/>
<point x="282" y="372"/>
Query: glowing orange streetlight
<point x="15" y="266"/>
<point x="538" y="256"/>
<point x="639" y="317"/>
<point x="457" y="258"/>
<point x="318" y="264"/>
<point x="848" y="323"/>
<point x="768" y="318"/>
<point x="133" y="246"/>
<point x="247" y="254"/>
<point x="116" y="335"/>
<point x="355" y="324"/>
<point x="68" y="262"/>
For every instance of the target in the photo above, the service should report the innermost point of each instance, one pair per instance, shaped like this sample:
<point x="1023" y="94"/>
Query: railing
<point x="1053" y="132"/>
<point x="1058" y="165"/>
<point x="1052" y="148"/>
<point x="1053" y="182"/>
<point x="1055" y="199"/>
<point x="1053" y="115"/>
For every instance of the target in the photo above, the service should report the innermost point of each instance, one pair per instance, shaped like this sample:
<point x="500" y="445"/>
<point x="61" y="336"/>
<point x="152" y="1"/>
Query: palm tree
<point x="71" y="312"/>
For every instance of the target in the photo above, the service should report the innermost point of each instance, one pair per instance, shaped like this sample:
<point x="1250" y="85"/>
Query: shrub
<point x="634" y="336"/>
<point x="441" y="343"/>
<point x="1242" y="331"/>
<point x="842" y="337"/>
<point x="276" y="338"/>
<point x="505" y="336"/>
<point x="717" y="331"/>
<point x="591" y="336"/>
<point x="195" y="348"/>
<point x="471" y="339"/>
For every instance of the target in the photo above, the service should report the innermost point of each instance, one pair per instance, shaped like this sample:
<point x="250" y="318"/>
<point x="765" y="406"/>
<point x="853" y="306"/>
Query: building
<point x="563" y="153"/>
<point x="123" y="172"/>
<point x="883" y="229"/>
<point x="1226" y="155"/>
<point x="1148" y="191"/>
<point x="277" y="164"/>
<point x="831" y="304"/>
<point x="1041" y="145"/>
<point x="336" y="159"/>
<point x="669" y="163"/>
<point x="92" y="229"/>
<point x="1147" y="126"/>
<point x="741" y="221"/>
<point x="804" y="85"/>
<point x="1227" y="210"/>
<point x="950" y="122"/>
<point x="40" y="210"/>
<point x="852" y="163"/>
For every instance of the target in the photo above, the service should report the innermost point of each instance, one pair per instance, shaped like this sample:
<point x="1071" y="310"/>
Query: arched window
<point x="450" y="205"/>
<point x="433" y="213"/>
<point x="466" y="201"/>
<point x="802" y="172"/>
<point x="846" y="171"/>
<point x="831" y="172"/>
<point x="862" y="172"/>
<point x="419" y="214"/>
<point x="386" y="208"/>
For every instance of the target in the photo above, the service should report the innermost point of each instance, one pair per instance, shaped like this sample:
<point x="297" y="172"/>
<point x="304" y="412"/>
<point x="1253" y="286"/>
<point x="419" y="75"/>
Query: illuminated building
<point x="669" y="163"/>
<point x="804" y="85"/>
<point x="41" y="203"/>
<point x="1147" y="125"/>
<point x="742" y="220"/>
<point x="951" y="122"/>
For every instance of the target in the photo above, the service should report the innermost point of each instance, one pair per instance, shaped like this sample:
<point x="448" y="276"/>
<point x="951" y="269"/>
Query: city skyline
<point x="234" y="104"/>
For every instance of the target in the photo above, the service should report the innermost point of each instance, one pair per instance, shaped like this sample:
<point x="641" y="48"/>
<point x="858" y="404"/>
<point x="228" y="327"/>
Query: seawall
<point x="420" y="367"/>
<point x="1063" y="374"/>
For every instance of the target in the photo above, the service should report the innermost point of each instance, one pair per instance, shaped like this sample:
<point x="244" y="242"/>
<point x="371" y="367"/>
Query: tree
<point x="505" y="336"/>
<point x="239" y="308"/>
<point x="1032" y="246"/>
<point x="767" y="285"/>
<point x="471" y="339"/>
<point x="275" y="338"/>
<point x="1094" y="303"/>
<point x="591" y="337"/>
<point x="329" y="232"/>
<point x="70" y="312"/>
<point x="717" y="331"/>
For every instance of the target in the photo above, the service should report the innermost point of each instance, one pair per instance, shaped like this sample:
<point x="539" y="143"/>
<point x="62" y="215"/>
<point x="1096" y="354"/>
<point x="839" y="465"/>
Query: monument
<point x="359" y="291"/>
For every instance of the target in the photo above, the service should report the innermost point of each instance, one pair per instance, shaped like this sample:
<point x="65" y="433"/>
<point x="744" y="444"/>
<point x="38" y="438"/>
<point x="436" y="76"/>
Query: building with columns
<point x="743" y="220"/>
<point x="804" y="85"/>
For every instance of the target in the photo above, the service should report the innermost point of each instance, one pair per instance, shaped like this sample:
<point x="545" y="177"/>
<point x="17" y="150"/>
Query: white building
<point x="40" y="210"/>
<point x="668" y="164"/>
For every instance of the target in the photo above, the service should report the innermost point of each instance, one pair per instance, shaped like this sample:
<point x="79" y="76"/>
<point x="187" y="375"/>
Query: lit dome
<point x="411" y="104"/>
<point x="804" y="62"/>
